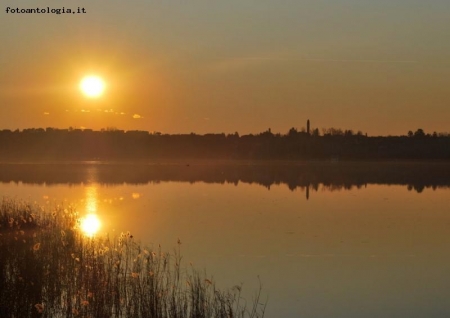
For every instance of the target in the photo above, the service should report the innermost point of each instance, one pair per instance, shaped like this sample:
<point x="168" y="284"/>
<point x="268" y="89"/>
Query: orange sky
<point x="199" y="66"/>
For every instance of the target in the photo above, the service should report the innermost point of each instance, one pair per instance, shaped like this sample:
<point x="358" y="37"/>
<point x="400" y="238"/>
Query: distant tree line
<point x="310" y="144"/>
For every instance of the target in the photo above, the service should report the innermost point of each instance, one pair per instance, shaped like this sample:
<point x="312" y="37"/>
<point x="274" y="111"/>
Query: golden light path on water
<point x="90" y="223"/>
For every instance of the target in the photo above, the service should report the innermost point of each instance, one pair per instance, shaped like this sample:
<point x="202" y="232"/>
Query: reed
<point x="49" y="268"/>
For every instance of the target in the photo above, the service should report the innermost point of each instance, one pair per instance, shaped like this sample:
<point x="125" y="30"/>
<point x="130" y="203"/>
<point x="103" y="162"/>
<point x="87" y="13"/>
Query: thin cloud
<point x="137" y="116"/>
<point x="237" y="63"/>
<point x="46" y="113"/>
<point x="256" y="58"/>
<point x="358" y="61"/>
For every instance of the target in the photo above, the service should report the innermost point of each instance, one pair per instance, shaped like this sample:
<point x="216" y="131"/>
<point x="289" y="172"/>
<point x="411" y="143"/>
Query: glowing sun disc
<point x="92" y="86"/>
<point x="90" y="224"/>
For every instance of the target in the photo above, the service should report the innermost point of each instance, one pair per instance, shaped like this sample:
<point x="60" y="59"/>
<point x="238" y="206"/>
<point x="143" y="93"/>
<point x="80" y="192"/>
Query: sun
<point x="92" y="86"/>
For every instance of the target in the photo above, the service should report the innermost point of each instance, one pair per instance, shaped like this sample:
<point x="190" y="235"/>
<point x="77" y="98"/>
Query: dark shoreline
<point x="117" y="145"/>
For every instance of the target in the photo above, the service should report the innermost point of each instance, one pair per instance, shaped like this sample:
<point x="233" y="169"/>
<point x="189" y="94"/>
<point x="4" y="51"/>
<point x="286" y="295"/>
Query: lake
<point x="324" y="239"/>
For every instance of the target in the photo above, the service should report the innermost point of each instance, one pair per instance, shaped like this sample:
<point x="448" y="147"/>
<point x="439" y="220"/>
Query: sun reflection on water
<point x="91" y="199"/>
<point x="90" y="224"/>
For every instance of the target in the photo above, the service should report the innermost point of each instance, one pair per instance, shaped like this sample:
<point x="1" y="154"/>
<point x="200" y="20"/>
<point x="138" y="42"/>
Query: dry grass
<point x="50" y="269"/>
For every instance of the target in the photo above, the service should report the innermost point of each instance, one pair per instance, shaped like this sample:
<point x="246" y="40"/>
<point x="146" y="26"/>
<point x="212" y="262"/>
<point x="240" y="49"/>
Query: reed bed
<point x="49" y="268"/>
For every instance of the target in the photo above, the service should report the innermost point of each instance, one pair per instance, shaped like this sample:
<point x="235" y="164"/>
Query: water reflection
<point x="307" y="177"/>
<point x="135" y="195"/>
<point x="342" y="247"/>
<point x="90" y="224"/>
<point x="91" y="199"/>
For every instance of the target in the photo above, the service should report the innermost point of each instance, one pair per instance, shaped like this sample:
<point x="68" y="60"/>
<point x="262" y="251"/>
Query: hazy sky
<point x="381" y="66"/>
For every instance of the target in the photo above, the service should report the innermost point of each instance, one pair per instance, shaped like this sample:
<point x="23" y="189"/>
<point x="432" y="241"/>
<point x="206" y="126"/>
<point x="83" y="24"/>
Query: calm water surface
<point x="367" y="242"/>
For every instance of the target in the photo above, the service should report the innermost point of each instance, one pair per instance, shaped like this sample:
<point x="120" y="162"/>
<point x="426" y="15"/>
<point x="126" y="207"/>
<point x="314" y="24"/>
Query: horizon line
<point x="302" y="130"/>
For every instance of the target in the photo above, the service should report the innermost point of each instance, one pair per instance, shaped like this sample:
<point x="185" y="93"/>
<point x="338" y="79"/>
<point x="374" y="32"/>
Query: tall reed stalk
<point x="49" y="268"/>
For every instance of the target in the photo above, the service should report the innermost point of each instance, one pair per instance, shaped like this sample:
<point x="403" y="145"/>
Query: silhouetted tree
<point x="292" y="132"/>
<point x="419" y="133"/>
